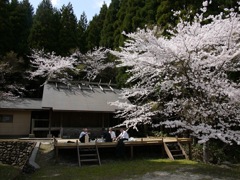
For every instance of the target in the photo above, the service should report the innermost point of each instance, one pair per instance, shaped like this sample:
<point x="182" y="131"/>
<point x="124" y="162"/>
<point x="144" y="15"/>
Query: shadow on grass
<point x="112" y="168"/>
<point x="9" y="172"/>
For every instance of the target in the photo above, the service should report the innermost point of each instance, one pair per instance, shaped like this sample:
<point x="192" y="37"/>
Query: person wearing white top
<point x="83" y="134"/>
<point x="120" y="148"/>
<point x="112" y="133"/>
<point x="123" y="135"/>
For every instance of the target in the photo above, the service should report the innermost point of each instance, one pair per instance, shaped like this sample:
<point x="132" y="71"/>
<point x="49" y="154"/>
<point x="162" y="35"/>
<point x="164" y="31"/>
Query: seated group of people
<point x="108" y="136"/>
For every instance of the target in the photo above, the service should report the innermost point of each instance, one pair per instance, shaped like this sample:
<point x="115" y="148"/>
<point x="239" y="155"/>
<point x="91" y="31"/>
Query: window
<point x="6" y="118"/>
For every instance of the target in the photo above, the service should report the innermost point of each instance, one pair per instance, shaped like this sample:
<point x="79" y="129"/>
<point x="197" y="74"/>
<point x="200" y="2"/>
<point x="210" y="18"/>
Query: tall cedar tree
<point x="4" y="27"/>
<point x="45" y="29"/>
<point x="118" y="24"/>
<point x="95" y="27"/>
<point x="148" y="13"/>
<point x="68" y="30"/>
<point x="81" y="30"/>
<point x="20" y="19"/>
<point x="133" y="19"/>
<point x="107" y="34"/>
<point x="133" y="14"/>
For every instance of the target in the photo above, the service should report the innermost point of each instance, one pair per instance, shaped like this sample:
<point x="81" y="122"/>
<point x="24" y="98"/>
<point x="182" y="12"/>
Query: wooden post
<point x="163" y="150"/>
<point x="79" y="162"/>
<point x="190" y="150"/>
<point x="61" y="125"/>
<point x="102" y="120"/>
<point x="49" y="123"/>
<point x="131" y="148"/>
<point x="33" y="125"/>
<point x="56" y="148"/>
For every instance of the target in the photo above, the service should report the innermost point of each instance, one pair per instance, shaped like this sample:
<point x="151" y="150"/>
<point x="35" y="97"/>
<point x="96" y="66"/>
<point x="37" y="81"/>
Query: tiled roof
<point x="80" y="97"/>
<point x="22" y="103"/>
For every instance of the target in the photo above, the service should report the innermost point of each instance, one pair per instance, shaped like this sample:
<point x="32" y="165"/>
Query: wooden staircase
<point x="88" y="154"/>
<point x="175" y="150"/>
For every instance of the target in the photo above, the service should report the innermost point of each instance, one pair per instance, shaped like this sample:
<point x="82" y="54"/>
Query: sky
<point x="90" y="7"/>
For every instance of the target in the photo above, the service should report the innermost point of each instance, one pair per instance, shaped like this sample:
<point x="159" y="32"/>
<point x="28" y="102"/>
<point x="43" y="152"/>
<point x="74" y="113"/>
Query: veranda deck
<point x="72" y="144"/>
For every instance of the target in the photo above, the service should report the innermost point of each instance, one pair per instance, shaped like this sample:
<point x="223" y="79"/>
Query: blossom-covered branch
<point x="184" y="80"/>
<point x="8" y="90"/>
<point x="51" y="66"/>
<point x="94" y="62"/>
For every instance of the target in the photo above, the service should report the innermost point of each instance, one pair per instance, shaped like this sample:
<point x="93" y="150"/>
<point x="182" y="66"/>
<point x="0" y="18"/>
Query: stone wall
<point x="16" y="153"/>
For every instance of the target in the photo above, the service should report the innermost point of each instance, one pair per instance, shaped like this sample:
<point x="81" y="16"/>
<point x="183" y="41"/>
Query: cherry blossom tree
<point x="53" y="67"/>
<point x="94" y="62"/>
<point x="183" y="81"/>
<point x="9" y="88"/>
<point x="5" y="90"/>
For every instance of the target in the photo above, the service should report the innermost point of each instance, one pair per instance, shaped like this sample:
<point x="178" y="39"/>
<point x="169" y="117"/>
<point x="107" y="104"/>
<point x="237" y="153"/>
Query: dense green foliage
<point x="68" y="30"/>
<point x="107" y="33"/>
<point x="82" y="27"/>
<point x="15" y="24"/>
<point x="44" y="29"/>
<point x="60" y="31"/>
<point x="94" y="29"/>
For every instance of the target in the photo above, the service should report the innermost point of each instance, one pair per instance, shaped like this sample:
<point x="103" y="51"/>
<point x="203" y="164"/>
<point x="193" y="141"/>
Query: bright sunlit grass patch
<point x="173" y="162"/>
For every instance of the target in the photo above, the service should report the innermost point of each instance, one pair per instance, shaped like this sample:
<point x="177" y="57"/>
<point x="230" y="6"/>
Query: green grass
<point x="128" y="169"/>
<point x="8" y="172"/>
<point x="117" y="169"/>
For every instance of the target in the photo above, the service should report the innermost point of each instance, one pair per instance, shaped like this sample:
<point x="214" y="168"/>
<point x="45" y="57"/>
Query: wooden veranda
<point x="165" y="143"/>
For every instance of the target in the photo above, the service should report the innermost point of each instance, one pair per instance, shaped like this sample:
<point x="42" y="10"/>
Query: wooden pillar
<point x="108" y="119"/>
<point x="61" y="125"/>
<point x="49" y="123"/>
<point x="131" y="151"/>
<point x="163" y="150"/>
<point x="190" y="150"/>
<point x="56" y="149"/>
<point x="32" y="135"/>
<point x="33" y="125"/>
<point x="102" y="120"/>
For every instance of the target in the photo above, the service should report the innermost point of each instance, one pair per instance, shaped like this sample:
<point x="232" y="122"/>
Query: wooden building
<point x="62" y="111"/>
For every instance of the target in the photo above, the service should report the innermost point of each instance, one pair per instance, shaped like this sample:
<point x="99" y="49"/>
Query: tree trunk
<point x="205" y="152"/>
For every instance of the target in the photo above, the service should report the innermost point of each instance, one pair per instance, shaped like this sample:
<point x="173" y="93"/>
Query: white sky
<point x="90" y="7"/>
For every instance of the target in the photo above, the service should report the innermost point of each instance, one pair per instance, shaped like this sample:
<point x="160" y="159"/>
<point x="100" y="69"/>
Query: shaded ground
<point x="180" y="174"/>
<point x="139" y="168"/>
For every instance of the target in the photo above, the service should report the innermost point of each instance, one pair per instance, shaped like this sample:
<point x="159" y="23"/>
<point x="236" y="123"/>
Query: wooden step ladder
<point x="88" y="153"/>
<point x="175" y="150"/>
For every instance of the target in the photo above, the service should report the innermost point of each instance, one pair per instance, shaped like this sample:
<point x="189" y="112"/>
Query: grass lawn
<point x="8" y="172"/>
<point x="115" y="169"/>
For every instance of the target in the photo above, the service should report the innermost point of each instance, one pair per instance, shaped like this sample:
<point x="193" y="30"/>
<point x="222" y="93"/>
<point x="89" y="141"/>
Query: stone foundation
<point x="16" y="153"/>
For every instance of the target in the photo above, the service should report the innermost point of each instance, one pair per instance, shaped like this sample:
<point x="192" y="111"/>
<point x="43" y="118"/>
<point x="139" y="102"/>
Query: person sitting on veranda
<point x="120" y="148"/>
<point x="112" y="133"/>
<point x="123" y="136"/>
<point x="106" y="135"/>
<point x="83" y="134"/>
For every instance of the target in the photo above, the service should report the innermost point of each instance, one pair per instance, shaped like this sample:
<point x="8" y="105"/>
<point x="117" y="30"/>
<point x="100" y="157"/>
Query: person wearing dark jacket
<point x="106" y="135"/>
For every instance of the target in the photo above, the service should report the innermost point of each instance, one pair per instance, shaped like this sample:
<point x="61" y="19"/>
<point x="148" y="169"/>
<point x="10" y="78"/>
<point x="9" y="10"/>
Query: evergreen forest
<point x="23" y="29"/>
